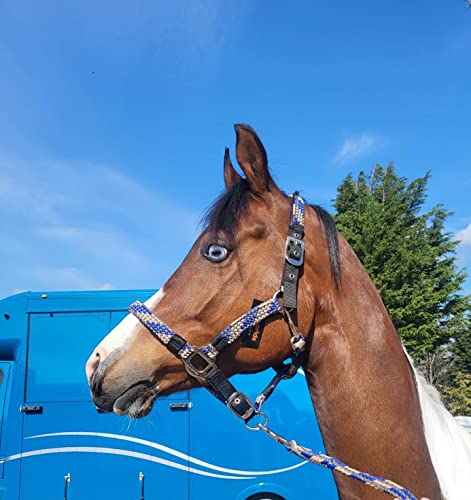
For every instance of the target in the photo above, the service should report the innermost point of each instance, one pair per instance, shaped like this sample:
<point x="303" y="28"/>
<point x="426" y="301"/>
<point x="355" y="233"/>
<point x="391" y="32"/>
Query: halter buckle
<point x="199" y="365"/>
<point x="241" y="406"/>
<point x="294" y="251"/>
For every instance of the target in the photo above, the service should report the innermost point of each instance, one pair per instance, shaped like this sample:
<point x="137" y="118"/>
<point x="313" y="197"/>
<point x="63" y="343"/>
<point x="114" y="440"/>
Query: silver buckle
<point x="207" y="365"/>
<point x="298" y="260"/>
<point x="236" y="399"/>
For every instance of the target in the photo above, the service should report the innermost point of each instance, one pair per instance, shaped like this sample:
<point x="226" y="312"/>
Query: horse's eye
<point x="216" y="253"/>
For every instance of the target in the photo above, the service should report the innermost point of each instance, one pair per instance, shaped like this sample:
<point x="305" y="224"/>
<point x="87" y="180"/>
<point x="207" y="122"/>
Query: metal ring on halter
<point x="278" y="293"/>
<point x="258" y="428"/>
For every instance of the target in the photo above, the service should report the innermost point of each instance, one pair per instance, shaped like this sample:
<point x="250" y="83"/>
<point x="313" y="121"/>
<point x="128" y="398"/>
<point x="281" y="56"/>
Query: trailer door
<point x="70" y="450"/>
<point x="4" y="379"/>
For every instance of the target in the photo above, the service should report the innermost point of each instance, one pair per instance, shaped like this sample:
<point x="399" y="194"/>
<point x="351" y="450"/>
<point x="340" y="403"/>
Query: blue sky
<point x="114" y="117"/>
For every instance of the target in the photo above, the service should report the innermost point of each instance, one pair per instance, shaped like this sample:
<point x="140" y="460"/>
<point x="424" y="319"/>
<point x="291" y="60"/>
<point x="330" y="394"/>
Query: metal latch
<point x="66" y="486"/>
<point x="141" y="480"/>
<point x="180" y="406"/>
<point x="31" y="409"/>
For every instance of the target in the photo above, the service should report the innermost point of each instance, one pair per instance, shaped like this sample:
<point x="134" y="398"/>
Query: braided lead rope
<point x="379" y="483"/>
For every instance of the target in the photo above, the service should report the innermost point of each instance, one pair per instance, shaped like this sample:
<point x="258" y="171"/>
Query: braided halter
<point x="200" y="363"/>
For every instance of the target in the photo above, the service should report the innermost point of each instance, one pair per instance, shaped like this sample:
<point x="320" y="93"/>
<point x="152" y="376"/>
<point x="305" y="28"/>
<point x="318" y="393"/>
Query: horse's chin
<point x="137" y="401"/>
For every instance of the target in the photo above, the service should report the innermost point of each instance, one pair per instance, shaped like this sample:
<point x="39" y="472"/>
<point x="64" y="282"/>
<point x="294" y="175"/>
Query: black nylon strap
<point x="236" y="401"/>
<point x="175" y="344"/>
<point x="290" y="286"/>
<point x="290" y="277"/>
<point x="219" y="343"/>
<point x="221" y="386"/>
<point x="297" y="230"/>
<point x="283" y="372"/>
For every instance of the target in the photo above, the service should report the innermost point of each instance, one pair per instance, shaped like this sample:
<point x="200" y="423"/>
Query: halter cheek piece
<point x="200" y="363"/>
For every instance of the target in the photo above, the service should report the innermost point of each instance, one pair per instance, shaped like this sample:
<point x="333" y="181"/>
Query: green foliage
<point x="412" y="261"/>
<point x="457" y="395"/>
<point x="461" y="348"/>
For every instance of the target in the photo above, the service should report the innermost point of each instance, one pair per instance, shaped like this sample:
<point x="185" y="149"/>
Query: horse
<point x="375" y="411"/>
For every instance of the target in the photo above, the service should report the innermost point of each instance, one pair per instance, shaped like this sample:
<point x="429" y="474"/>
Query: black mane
<point x="332" y="237"/>
<point x="223" y="216"/>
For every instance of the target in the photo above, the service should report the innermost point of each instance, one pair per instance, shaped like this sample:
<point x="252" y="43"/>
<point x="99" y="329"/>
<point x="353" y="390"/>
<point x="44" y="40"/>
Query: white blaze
<point x="125" y="330"/>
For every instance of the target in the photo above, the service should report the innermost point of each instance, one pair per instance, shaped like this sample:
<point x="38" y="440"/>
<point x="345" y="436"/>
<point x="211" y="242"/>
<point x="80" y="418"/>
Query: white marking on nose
<point x="120" y="334"/>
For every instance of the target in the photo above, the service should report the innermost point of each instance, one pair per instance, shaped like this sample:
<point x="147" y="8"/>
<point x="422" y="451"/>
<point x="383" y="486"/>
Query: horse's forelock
<point x="223" y="215"/>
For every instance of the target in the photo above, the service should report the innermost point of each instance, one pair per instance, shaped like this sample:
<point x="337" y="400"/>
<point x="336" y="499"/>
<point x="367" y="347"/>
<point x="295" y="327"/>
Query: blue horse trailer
<point x="55" y="445"/>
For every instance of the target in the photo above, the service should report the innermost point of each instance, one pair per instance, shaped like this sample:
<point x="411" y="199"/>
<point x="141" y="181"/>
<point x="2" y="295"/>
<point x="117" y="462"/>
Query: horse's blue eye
<point x="216" y="253"/>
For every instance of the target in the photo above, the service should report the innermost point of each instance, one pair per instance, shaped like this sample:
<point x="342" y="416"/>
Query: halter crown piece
<point x="200" y="363"/>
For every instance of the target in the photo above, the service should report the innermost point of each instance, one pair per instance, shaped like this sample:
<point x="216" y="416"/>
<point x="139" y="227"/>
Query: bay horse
<point x="374" y="410"/>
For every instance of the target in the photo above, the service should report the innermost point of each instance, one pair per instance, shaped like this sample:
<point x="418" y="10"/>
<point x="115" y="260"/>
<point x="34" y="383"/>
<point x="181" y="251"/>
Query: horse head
<point x="238" y="257"/>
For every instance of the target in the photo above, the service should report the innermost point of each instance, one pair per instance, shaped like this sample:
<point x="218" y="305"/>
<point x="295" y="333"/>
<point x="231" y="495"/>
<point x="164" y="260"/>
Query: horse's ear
<point x="230" y="174"/>
<point x="252" y="158"/>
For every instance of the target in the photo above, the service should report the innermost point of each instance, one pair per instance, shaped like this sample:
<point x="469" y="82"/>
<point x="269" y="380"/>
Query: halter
<point x="200" y="363"/>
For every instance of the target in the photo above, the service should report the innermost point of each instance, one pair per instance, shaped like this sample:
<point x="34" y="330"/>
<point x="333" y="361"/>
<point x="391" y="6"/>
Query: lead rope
<point x="379" y="483"/>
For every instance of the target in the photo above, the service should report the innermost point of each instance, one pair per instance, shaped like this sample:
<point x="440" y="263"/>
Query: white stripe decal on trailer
<point x="171" y="451"/>
<point x="116" y="451"/>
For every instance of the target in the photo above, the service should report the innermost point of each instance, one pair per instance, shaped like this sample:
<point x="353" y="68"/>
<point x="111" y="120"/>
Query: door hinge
<point x="180" y="406"/>
<point x="31" y="409"/>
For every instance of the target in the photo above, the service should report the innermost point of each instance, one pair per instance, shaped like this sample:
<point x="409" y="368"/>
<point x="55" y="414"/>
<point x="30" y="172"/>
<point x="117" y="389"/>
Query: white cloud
<point x="464" y="248"/>
<point x="81" y="225"/>
<point x="55" y="192"/>
<point x="357" y="146"/>
<point x="97" y="243"/>
<point x="464" y="235"/>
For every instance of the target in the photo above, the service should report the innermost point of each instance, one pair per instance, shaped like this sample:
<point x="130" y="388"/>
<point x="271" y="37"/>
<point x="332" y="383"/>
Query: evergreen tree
<point x="461" y="348"/>
<point x="412" y="261"/>
<point x="458" y="391"/>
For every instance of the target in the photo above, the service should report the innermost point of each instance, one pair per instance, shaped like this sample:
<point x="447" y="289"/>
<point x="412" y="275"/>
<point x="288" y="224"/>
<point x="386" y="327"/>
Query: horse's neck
<point x="363" y="389"/>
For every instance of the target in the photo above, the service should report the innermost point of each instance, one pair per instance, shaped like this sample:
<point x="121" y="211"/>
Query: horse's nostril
<point x="92" y="365"/>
